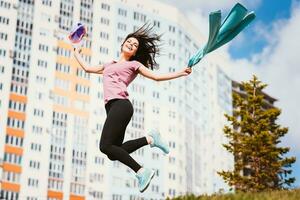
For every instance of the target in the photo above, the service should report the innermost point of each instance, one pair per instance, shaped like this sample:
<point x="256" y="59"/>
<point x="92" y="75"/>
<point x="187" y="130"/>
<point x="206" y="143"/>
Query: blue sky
<point x="266" y="12"/>
<point x="267" y="48"/>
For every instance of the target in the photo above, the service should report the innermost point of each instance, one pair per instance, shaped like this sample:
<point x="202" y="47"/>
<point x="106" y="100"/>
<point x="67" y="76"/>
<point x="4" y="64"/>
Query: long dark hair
<point x="148" y="47"/>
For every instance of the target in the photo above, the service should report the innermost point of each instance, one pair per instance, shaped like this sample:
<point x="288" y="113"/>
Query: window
<point x="15" y="123"/>
<point x="38" y="112"/>
<point x="33" y="182"/>
<point x="155" y="110"/>
<point x="122" y="12"/>
<point x="172" y="114"/>
<point x="62" y="68"/>
<point x="47" y="2"/>
<point x="104" y="35"/>
<point x="116" y="197"/>
<point x="103" y="50"/>
<point x="171" y="144"/>
<point x="155" y="156"/>
<point x="62" y="84"/>
<point x="172" y="160"/>
<point x="11" y="176"/>
<point x="155" y="94"/>
<point x="4" y="20"/>
<point x="63" y="52"/>
<point x="172" y="29"/>
<point x="36" y="147"/>
<point x="18" y="88"/>
<point x="172" y="176"/>
<point x="122" y="26"/>
<point x="172" y="192"/>
<point x="172" y="56"/>
<point x="104" y="21"/>
<point x="96" y="177"/>
<point x="65" y="19"/>
<point x="37" y="129"/>
<point x="42" y="63"/>
<point x="61" y="100"/>
<point x="9" y="194"/>
<point x="14" y="141"/>
<point x="172" y="42"/>
<point x="81" y="73"/>
<point x="5" y="4"/>
<point x="156" y="23"/>
<point x="155" y="188"/>
<point x="3" y="36"/>
<point x="40" y="80"/>
<point x="99" y="160"/>
<point x="96" y="194"/>
<point x="105" y="6"/>
<point x="2" y="52"/>
<point x="12" y="158"/>
<point x="34" y="198"/>
<point x="55" y="184"/>
<point x="34" y="164"/>
<point x="43" y="47"/>
<point x="172" y="99"/>
<point x="82" y="89"/>
<point x="139" y="17"/>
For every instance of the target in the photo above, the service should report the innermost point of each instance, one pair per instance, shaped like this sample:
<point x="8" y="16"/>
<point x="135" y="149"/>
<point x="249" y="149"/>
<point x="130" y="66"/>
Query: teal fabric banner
<point x="219" y="34"/>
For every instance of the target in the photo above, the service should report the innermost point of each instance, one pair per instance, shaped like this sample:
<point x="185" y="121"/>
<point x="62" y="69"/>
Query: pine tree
<point x="254" y="138"/>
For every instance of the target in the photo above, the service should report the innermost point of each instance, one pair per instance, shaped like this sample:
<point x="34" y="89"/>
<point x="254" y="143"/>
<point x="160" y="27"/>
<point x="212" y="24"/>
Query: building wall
<point x="64" y="114"/>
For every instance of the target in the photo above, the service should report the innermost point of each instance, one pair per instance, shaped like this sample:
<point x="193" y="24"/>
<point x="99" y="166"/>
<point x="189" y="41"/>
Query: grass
<point x="274" y="195"/>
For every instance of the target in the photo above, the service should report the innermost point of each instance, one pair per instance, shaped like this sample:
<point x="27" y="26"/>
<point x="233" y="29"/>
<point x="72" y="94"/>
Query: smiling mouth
<point x="130" y="48"/>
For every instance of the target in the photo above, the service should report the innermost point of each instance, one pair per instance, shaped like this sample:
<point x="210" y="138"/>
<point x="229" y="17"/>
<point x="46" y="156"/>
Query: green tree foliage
<point x="254" y="139"/>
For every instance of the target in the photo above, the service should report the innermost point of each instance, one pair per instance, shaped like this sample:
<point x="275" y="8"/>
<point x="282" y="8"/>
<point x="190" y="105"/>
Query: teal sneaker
<point x="144" y="179"/>
<point x="157" y="142"/>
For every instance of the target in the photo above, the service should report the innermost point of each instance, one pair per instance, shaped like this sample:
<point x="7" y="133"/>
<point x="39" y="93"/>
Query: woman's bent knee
<point x="105" y="149"/>
<point x="111" y="158"/>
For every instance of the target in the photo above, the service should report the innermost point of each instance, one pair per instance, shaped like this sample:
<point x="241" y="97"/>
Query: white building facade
<point x="52" y="112"/>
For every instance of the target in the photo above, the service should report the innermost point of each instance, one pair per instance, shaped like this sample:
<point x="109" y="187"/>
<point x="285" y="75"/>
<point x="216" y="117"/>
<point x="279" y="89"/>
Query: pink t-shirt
<point x="116" y="77"/>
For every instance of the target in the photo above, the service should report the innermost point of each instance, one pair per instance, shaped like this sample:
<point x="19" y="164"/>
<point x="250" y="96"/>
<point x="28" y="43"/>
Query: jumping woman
<point x="137" y="56"/>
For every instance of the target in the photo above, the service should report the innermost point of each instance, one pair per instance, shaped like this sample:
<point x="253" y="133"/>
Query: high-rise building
<point x="52" y="112"/>
<point x="268" y="101"/>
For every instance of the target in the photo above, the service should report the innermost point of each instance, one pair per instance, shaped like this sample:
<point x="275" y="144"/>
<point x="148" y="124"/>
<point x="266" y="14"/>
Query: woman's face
<point x="130" y="46"/>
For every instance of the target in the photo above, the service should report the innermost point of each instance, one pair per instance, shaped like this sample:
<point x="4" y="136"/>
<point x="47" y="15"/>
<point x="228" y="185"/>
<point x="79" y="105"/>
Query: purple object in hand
<point x="77" y="33"/>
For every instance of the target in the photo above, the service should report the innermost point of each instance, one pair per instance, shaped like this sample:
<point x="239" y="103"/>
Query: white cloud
<point x="281" y="69"/>
<point x="206" y="6"/>
<point x="198" y="11"/>
<point x="278" y="64"/>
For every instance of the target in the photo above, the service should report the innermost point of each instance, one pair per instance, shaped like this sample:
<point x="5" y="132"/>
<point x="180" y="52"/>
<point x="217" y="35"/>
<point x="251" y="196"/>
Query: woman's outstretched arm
<point x="163" y="77"/>
<point x="97" y="69"/>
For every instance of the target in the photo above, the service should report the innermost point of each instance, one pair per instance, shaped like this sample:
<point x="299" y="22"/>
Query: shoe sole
<point x="152" y="175"/>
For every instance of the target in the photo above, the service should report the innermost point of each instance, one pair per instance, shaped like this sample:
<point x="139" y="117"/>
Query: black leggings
<point x="119" y="113"/>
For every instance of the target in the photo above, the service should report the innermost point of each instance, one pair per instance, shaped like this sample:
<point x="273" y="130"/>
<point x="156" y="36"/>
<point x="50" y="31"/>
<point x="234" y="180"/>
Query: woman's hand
<point x="186" y="71"/>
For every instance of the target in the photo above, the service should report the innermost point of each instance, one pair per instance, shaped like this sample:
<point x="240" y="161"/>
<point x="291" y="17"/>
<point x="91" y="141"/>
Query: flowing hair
<point x="148" y="47"/>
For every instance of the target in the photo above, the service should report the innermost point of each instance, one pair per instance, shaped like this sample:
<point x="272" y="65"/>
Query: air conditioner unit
<point x="51" y="94"/>
<point x="48" y="130"/>
<point x="11" y="54"/>
<point x="56" y="18"/>
<point x="16" y="6"/>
